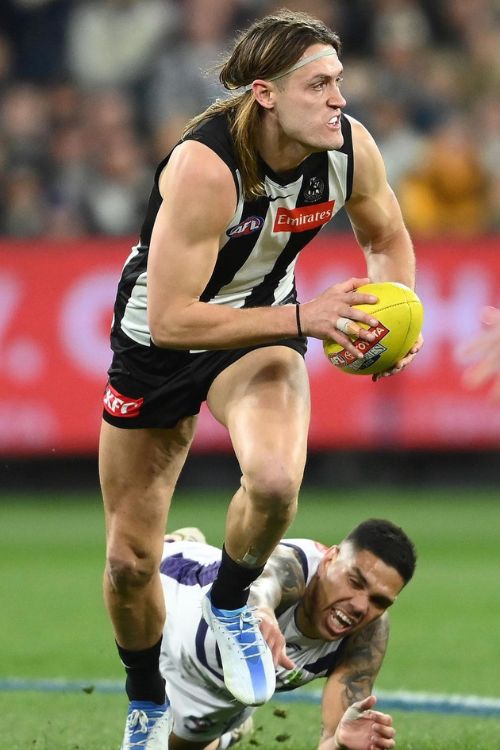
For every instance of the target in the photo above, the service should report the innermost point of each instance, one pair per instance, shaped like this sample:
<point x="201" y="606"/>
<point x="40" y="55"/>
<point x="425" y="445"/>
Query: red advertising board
<point x="55" y="313"/>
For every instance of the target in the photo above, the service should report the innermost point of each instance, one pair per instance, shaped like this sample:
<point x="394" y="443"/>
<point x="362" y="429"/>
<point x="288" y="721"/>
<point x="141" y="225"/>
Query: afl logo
<point x="247" y="226"/>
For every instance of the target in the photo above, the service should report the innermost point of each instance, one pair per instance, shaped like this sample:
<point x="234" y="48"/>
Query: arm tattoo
<point x="282" y="582"/>
<point x="362" y="660"/>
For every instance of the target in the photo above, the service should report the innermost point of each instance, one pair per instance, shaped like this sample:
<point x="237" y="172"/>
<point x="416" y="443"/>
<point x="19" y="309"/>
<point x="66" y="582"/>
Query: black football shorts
<point x="153" y="387"/>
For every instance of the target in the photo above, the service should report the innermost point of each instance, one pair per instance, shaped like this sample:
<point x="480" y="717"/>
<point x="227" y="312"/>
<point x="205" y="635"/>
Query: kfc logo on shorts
<point x="121" y="406"/>
<point x="302" y="218"/>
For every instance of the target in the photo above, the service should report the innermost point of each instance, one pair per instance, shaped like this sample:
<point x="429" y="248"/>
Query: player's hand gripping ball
<point x="400" y="314"/>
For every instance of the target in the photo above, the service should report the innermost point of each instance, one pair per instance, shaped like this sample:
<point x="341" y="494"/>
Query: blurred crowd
<point x="95" y="92"/>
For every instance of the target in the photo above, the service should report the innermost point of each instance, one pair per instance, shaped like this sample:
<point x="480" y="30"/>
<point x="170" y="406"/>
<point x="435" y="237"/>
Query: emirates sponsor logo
<point x="302" y="218"/>
<point x="121" y="406"/>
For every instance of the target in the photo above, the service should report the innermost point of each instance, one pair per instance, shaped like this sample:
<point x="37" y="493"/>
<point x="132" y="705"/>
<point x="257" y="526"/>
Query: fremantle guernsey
<point x="189" y="650"/>
<point x="259" y="248"/>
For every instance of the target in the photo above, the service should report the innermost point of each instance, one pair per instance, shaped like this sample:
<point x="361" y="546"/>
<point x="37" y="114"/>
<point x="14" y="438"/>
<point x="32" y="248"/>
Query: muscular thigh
<point x="138" y="471"/>
<point x="263" y="400"/>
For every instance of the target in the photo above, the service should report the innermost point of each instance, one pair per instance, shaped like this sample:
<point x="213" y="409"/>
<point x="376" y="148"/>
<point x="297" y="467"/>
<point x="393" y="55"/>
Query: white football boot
<point x="247" y="661"/>
<point x="148" y="726"/>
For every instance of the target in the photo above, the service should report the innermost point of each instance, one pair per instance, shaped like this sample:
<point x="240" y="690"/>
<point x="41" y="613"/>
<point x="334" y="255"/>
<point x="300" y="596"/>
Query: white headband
<point x="303" y="61"/>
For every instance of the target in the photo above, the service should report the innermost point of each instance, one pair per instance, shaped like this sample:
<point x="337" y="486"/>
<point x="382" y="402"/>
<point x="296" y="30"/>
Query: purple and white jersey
<point x="189" y="647"/>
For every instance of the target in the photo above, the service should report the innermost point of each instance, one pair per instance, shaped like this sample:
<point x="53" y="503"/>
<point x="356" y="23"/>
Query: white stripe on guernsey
<point x="237" y="299"/>
<point x="337" y="177"/>
<point x="134" y="322"/>
<point x="285" y="286"/>
<point x="264" y="253"/>
<point x="134" y="251"/>
<point x="132" y="254"/>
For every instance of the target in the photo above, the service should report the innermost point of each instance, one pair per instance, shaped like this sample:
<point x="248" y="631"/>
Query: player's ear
<point x="263" y="92"/>
<point x="331" y="553"/>
<point x="334" y="551"/>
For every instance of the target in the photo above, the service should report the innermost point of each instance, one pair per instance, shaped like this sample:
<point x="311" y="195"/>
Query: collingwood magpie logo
<point x="314" y="191"/>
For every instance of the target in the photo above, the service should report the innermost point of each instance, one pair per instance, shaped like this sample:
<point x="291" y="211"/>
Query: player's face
<point x="352" y="589"/>
<point x="308" y="103"/>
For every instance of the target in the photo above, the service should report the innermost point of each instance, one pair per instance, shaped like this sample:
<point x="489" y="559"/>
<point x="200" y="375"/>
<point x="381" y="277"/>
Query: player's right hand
<point x="333" y="314"/>
<point x="274" y="637"/>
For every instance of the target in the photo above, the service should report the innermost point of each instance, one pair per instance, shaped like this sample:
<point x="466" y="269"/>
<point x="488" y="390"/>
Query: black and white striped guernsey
<point x="258" y="252"/>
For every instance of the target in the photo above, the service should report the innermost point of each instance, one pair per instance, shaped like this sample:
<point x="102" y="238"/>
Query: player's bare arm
<point x="361" y="661"/>
<point x="183" y="253"/>
<point x="346" y="726"/>
<point x="378" y="224"/>
<point x="376" y="217"/>
<point x="280" y="585"/>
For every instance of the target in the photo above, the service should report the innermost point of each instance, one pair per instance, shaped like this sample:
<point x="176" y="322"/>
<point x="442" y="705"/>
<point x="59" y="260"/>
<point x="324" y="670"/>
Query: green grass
<point x="95" y="722"/>
<point x="444" y="634"/>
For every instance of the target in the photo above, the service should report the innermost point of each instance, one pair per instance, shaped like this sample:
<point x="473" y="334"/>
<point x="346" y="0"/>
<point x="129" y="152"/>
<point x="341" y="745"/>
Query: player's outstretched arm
<point x="279" y="587"/>
<point x="348" y="687"/>
<point x="375" y="215"/>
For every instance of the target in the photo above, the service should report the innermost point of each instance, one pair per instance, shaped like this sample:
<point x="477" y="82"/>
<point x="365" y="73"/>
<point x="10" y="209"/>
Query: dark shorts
<point x="152" y="387"/>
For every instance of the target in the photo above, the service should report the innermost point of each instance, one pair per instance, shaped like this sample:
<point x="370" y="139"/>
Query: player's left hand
<point x="402" y="363"/>
<point x="483" y="354"/>
<point x="361" y="728"/>
<point x="274" y="637"/>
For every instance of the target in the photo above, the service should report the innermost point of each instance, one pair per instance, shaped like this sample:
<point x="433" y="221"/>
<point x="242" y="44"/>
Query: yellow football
<point x="400" y="314"/>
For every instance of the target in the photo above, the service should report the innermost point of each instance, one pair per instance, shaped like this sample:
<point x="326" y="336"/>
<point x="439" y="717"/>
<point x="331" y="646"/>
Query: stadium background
<point x="92" y="94"/>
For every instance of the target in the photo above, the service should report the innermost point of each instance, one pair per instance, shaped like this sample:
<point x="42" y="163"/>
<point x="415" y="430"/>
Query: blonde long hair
<point x="269" y="47"/>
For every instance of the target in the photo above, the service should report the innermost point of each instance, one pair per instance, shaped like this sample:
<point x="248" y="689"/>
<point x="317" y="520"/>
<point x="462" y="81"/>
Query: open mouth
<point x="339" y="621"/>
<point x="334" y="121"/>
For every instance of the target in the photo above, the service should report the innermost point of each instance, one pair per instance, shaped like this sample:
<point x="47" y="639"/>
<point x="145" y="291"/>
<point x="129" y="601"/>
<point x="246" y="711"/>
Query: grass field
<point x="444" y="627"/>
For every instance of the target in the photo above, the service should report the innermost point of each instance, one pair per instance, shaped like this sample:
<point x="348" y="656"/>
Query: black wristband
<point x="297" y="316"/>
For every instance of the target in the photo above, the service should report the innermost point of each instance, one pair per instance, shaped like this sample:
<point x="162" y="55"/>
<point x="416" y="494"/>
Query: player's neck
<point x="303" y="618"/>
<point x="281" y="153"/>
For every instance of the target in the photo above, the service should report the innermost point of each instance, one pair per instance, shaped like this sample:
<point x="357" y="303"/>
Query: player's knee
<point x="127" y="571"/>
<point x="273" y="489"/>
